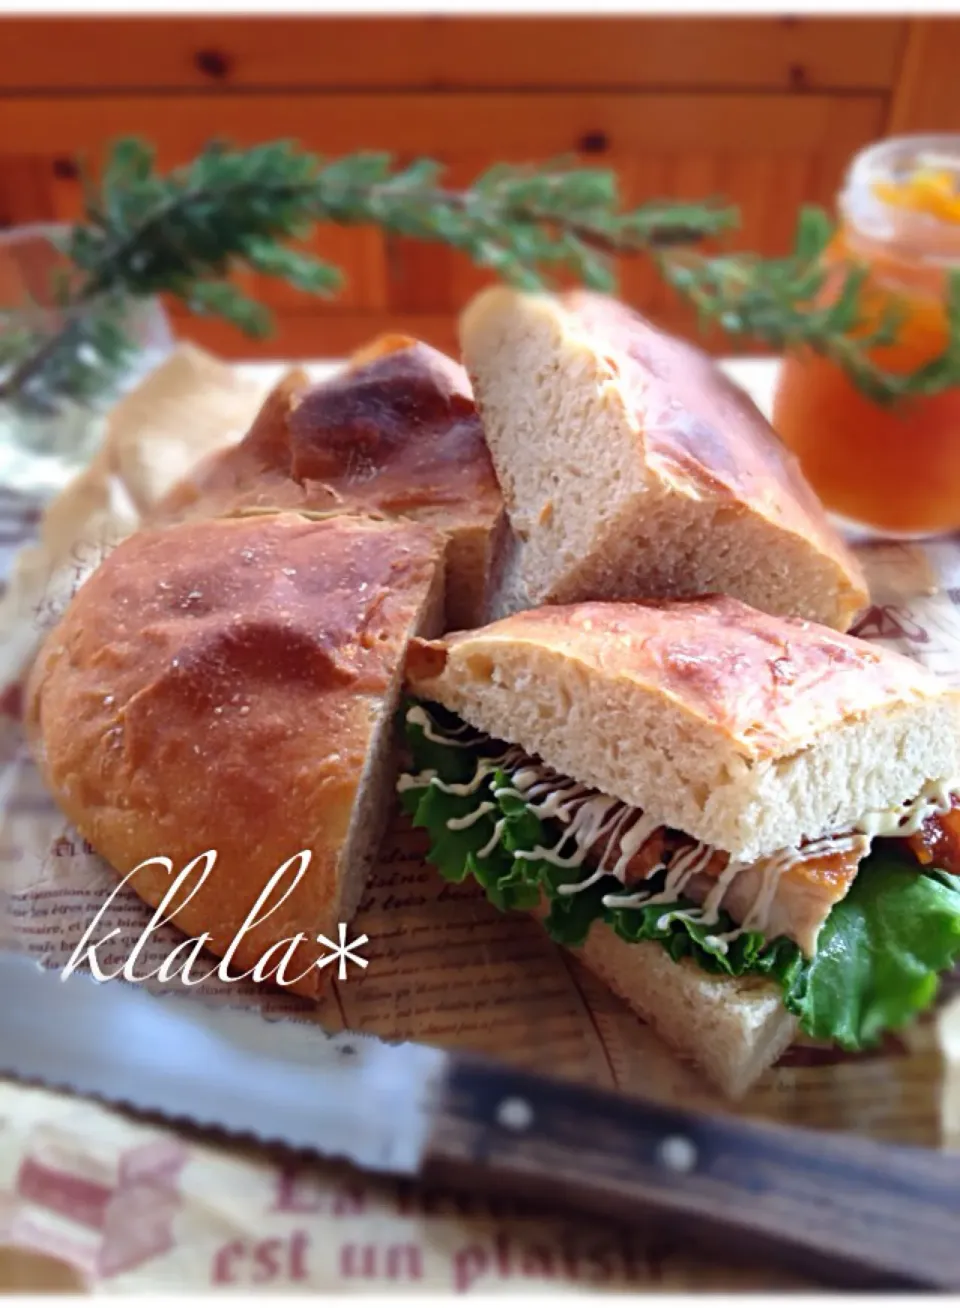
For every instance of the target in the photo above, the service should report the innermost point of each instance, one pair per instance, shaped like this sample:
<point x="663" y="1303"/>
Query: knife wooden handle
<point x="840" y="1209"/>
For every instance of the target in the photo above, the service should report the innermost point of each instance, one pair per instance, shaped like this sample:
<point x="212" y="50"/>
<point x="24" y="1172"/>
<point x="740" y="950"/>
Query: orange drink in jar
<point x="891" y="470"/>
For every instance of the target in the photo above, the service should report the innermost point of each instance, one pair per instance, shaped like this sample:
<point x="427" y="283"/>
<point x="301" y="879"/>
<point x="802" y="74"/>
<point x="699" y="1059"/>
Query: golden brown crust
<point x="699" y="427"/>
<point x="387" y="343"/>
<point x="766" y="685"/>
<point x="396" y="433"/>
<point x="217" y="685"/>
<point x="399" y="435"/>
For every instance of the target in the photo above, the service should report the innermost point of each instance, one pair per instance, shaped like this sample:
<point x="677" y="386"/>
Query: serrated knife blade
<point x="283" y="1081"/>
<point x="837" y="1208"/>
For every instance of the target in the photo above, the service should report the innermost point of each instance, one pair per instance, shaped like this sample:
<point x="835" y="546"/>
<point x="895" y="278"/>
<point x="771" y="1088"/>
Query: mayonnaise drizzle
<point x="936" y="798"/>
<point x="681" y="869"/>
<point x="462" y="823"/>
<point x="758" y="915"/>
<point x="421" y="780"/>
<point x="494" y="840"/>
<point x="418" y="717"/>
<point x="574" y="888"/>
<point x="585" y="828"/>
<point x="588" y="816"/>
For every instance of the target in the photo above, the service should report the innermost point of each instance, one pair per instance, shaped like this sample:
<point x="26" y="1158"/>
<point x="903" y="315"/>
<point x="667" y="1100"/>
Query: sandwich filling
<point x="851" y="961"/>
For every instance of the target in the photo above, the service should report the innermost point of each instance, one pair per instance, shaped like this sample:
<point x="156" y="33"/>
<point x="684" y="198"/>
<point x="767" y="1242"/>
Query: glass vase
<point x="62" y="366"/>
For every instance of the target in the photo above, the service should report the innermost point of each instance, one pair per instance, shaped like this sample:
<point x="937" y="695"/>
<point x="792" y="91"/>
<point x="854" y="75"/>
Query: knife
<point x="841" y="1209"/>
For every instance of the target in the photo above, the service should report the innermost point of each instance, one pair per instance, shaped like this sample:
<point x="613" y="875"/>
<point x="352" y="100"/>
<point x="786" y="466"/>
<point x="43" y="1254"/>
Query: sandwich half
<point x="747" y="825"/>
<point x="632" y="467"/>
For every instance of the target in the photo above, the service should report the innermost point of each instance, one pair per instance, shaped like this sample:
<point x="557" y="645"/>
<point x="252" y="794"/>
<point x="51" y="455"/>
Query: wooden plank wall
<point x="763" y="111"/>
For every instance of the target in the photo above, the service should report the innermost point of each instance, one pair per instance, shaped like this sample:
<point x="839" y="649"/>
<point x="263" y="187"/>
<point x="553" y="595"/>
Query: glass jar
<point x="53" y="426"/>
<point x="890" y="471"/>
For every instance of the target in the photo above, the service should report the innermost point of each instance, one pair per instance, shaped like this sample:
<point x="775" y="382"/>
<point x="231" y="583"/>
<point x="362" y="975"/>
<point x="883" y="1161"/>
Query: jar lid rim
<point x="891" y="160"/>
<point x="867" y="166"/>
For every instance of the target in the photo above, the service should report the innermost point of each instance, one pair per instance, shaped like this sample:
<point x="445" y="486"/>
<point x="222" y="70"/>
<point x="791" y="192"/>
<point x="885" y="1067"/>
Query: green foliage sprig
<point x="781" y="303"/>
<point x="186" y="233"/>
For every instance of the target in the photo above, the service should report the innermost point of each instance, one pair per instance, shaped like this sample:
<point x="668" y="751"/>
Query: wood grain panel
<point x="26" y="189"/>
<point x="927" y="97"/>
<point x="840" y="144"/>
<point x="312" y="335"/>
<point x="437" y="52"/>
<point x="334" y="334"/>
<point x="643" y="177"/>
<point x="520" y="126"/>
<point x="762" y="152"/>
<point x="360" y="253"/>
<point x="791" y="188"/>
<point x="421" y="276"/>
<point x="748" y="180"/>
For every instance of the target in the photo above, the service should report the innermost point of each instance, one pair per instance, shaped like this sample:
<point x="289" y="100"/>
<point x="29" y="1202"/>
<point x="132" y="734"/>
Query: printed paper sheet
<point x="124" y="1205"/>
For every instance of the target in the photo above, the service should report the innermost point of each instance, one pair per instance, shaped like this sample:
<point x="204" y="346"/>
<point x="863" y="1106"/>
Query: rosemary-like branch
<point x="185" y="232"/>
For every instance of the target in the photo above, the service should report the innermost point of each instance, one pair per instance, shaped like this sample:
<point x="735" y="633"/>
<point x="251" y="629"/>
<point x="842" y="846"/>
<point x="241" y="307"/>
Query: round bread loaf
<point x="395" y="434"/>
<point x="230" y="685"/>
